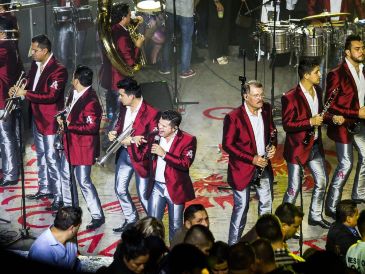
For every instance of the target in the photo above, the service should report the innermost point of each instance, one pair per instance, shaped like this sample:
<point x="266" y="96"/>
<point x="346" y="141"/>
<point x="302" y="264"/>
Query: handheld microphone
<point x="156" y="140"/>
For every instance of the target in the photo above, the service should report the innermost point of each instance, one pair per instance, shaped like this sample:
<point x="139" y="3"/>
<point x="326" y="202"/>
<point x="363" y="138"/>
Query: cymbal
<point x="325" y="15"/>
<point x="328" y="24"/>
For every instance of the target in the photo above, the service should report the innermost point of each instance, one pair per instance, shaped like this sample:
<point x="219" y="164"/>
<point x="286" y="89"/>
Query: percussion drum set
<point x="78" y="15"/>
<point x="307" y="37"/>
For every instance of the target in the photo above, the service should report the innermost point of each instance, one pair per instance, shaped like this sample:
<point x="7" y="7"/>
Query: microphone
<point x="156" y="140"/>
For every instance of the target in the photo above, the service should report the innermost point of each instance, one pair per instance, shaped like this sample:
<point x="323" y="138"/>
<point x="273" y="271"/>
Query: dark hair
<point x="133" y="244"/>
<point x="350" y="38"/>
<point x="287" y="212"/>
<point x="84" y="74"/>
<point x="218" y="254"/>
<point x="306" y="65"/>
<point x="263" y="250"/>
<point x="67" y="216"/>
<point x="43" y="42"/>
<point x="118" y="12"/>
<point x="361" y="223"/>
<point x="130" y="86"/>
<point x="173" y="116"/>
<point x="189" y="212"/>
<point x="5" y="24"/>
<point x="241" y="256"/>
<point x="199" y="236"/>
<point x="268" y="226"/>
<point x="247" y="86"/>
<point x="185" y="258"/>
<point x="344" y="209"/>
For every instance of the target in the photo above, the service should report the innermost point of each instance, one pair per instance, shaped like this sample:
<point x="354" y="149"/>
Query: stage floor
<point x="217" y="90"/>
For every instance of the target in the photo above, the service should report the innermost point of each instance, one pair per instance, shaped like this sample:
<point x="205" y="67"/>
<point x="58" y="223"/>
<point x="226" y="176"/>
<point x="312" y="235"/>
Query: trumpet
<point x="10" y="104"/>
<point x="114" y="147"/>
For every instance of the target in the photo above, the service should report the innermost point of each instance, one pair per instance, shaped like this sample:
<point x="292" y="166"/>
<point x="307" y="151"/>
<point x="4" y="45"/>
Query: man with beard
<point x="349" y="78"/>
<point x="247" y="132"/>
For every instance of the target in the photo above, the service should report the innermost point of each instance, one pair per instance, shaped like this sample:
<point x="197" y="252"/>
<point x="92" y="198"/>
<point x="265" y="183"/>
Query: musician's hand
<point x="158" y="150"/>
<point x="316" y="120"/>
<point x="20" y="91"/>
<point x="338" y="119"/>
<point x="259" y="161"/>
<point x="112" y="135"/>
<point x="138" y="140"/>
<point x="139" y="42"/>
<point x="127" y="141"/>
<point x="362" y="113"/>
<point x="271" y="152"/>
<point x="60" y="122"/>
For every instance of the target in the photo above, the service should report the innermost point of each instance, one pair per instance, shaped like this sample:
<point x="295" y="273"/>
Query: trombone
<point x="10" y="104"/>
<point x="114" y="147"/>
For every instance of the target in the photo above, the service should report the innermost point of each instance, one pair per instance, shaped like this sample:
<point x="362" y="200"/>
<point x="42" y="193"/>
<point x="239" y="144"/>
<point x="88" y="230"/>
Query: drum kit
<point x="79" y="15"/>
<point x="307" y="37"/>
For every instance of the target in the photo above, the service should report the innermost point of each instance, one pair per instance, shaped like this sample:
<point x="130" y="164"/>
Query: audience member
<point x="241" y="259"/>
<point x="194" y="214"/>
<point x="186" y="259"/>
<point x="342" y="233"/>
<point x="265" y="257"/>
<point x="131" y="256"/>
<point x="218" y="258"/>
<point x="268" y="227"/>
<point x="151" y="226"/>
<point x="355" y="256"/>
<point x="201" y="237"/>
<point x="57" y="245"/>
<point x="291" y="218"/>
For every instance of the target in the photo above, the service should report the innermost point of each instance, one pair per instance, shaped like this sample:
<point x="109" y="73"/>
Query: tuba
<point x="104" y="29"/>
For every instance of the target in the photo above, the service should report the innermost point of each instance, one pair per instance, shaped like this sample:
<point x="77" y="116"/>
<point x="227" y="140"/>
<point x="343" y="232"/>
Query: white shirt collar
<point x="361" y="65"/>
<point x="138" y="107"/>
<point x="45" y="63"/>
<point x="249" y="111"/>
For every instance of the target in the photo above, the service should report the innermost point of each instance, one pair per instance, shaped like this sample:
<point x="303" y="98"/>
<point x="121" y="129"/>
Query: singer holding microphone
<point x="171" y="152"/>
<point x="136" y="112"/>
<point x="302" y="116"/>
<point x="246" y="134"/>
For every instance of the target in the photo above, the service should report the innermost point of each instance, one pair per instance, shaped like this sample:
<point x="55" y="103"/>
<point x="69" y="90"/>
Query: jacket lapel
<point x="249" y="127"/>
<point x="304" y="99"/>
<point x="349" y="75"/>
<point x="140" y="115"/>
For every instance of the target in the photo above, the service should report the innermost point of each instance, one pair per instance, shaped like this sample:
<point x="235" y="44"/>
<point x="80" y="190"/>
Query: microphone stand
<point x="24" y="231"/>
<point x="45" y="16"/>
<point x="176" y="99"/>
<point x="301" y="203"/>
<point x="71" y="183"/>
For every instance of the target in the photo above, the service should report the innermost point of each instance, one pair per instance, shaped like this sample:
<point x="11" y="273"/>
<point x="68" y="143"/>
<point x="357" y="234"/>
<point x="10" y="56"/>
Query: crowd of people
<point x="159" y="153"/>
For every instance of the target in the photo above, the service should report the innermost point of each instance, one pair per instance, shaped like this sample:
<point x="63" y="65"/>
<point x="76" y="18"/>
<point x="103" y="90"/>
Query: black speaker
<point x="157" y="94"/>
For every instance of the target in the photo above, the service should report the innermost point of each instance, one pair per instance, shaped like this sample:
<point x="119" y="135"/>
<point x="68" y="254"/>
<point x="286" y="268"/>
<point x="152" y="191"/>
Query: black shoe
<point x="8" y="183"/>
<point x="55" y="206"/>
<point x="320" y="223"/>
<point x="330" y="214"/>
<point x="359" y="201"/>
<point x="39" y="195"/>
<point x="326" y="222"/>
<point x="122" y="227"/>
<point x="95" y="223"/>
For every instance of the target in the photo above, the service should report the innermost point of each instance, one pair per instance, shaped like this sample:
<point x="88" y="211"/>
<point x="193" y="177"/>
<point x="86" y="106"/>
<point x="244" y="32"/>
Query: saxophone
<point x="104" y="30"/>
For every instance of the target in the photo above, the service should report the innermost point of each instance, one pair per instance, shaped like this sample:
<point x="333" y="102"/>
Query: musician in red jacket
<point x="349" y="78"/>
<point x="247" y="132"/>
<point x="128" y="50"/>
<point x="83" y="116"/>
<point x="45" y="92"/>
<point x="9" y="73"/>
<point x="134" y="114"/>
<point x="172" y="152"/>
<point x="302" y="120"/>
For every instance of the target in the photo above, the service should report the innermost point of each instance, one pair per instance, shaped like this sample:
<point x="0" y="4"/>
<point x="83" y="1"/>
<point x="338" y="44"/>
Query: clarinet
<point x="259" y="171"/>
<point x="310" y="133"/>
